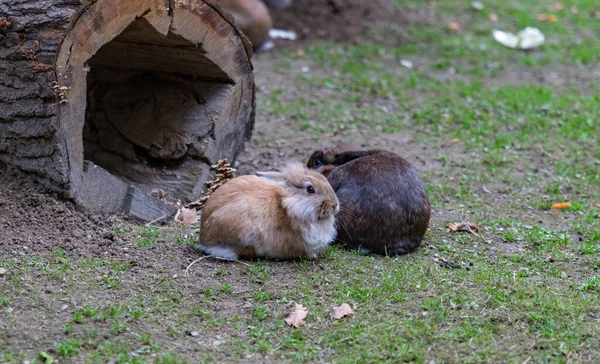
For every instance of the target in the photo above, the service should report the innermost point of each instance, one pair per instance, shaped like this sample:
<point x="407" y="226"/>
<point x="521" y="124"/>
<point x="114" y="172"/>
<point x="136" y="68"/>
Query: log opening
<point x="117" y="98"/>
<point x="152" y="104"/>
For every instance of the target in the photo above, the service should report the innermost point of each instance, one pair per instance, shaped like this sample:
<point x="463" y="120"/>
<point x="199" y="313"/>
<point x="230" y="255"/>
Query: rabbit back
<point x="384" y="206"/>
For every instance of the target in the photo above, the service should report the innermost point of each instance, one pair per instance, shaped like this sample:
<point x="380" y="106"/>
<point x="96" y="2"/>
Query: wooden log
<point x="152" y="91"/>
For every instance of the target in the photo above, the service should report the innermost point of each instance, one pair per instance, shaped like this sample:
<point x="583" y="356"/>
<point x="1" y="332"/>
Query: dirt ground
<point x="88" y="288"/>
<point x="336" y="20"/>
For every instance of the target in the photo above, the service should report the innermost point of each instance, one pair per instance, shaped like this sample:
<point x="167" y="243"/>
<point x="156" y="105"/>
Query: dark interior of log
<point x="152" y="104"/>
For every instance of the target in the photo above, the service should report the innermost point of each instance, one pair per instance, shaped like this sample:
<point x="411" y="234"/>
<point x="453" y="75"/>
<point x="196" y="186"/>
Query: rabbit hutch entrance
<point x="148" y="94"/>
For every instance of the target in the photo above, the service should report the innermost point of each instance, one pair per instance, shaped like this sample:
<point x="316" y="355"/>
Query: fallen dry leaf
<point x="562" y="205"/>
<point x="2" y="271"/>
<point x="548" y="17"/>
<point x="300" y="52"/>
<point x="454" y="26"/>
<point x="296" y="317"/>
<point x="186" y="216"/>
<point x="463" y="226"/>
<point x="341" y="311"/>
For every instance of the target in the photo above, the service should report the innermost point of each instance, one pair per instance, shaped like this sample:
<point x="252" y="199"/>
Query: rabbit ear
<point x="276" y="178"/>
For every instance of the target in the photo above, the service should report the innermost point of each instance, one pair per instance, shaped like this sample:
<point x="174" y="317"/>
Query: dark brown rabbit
<point x="384" y="208"/>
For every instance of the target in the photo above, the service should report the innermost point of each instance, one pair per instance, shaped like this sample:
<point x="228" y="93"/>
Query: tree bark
<point x="108" y="100"/>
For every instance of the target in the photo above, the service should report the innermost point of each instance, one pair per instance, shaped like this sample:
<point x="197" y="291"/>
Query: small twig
<point x="212" y="256"/>
<point x="153" y="221"/>
<point x="194" y="262"/>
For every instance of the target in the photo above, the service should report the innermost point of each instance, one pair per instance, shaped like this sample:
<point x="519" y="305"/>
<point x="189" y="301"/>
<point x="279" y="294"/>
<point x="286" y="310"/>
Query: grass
<point x="500" y="148"/>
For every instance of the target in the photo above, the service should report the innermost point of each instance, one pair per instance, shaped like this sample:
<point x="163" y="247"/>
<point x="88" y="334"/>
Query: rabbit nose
<point x="336" y="207"/>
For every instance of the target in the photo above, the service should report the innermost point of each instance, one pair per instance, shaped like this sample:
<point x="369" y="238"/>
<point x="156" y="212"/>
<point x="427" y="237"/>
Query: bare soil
<point x="35" y="221"/>
<point x="344" y="21"/>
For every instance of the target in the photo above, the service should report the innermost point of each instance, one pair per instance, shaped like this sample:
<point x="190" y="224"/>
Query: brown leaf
<point x="341" y="311"/>
<point x="454" y="26"/>
<point x="296" y="317"/>
<point x="186" y="216"/>
<point x="463" y="226"/>
<point x="2" y="271"/>
<point x="547" y="17"/>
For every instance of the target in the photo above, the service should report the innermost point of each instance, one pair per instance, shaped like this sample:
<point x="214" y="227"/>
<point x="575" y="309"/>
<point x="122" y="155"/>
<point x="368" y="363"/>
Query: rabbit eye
<point x="317" y="163"/>
<point x="310" y="189"/>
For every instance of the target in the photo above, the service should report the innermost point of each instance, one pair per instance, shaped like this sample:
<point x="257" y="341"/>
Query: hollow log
<point x="107" y="101"/>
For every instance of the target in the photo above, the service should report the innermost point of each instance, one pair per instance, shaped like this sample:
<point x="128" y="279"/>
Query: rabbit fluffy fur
<point x="278" y="215"/>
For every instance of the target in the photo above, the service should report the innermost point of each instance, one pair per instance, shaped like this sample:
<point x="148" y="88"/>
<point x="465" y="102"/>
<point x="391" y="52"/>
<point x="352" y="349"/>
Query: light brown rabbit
<point x="279" y="215"/>
<point x="252" y="17"/>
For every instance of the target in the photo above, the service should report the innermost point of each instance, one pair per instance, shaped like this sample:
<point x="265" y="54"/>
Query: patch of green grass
<point x="45" y="357"/>
<point x="225" y="288"/>
<point x="201" y="312"/>
<point x="263" y="296"/>
<point x="9" y="357"/>
<point x="118" y="328"/>
<point x="187" y="237"/>
<point x="147" y="236"/>
<point x="591" y="284"/>
<point x="208" y="292"/>
<point x="221" y="271"/>
<point x="259" y="270"/>
<point x="145" y="338"/>
<point x="261" y="312"/>
<point x="589" y="248"/>
<point x="68" y="347"/>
